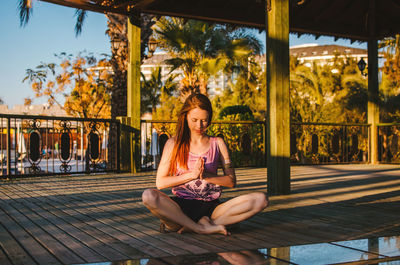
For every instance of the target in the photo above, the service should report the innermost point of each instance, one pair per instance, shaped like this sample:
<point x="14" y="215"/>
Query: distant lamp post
<point x="116" y="43"/>
<point x="151" y="46"/>
<point x="361" y="66"/>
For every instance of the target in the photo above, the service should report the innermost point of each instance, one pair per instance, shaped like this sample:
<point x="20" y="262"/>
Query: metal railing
<point x="43" y="145"/>
<point x="310" y="143"/>
<point x="322" y="143"/>
<point x="388" y="143"/>
<point x="245" y="140"/>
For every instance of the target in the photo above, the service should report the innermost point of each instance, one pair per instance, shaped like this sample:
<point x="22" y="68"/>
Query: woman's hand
<point x="198" y="168"/>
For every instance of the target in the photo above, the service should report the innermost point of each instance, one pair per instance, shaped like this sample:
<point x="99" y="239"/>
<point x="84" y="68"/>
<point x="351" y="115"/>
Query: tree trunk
<point x="117" y="31"/>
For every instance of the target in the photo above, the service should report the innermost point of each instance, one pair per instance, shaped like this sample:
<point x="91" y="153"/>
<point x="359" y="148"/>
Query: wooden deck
<point x="86" y="219"/>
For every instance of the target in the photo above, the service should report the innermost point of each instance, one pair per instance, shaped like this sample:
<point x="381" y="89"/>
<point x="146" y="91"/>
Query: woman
<point x="189" y="166"/>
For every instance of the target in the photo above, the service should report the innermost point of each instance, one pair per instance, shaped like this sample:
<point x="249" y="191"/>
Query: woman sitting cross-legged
<point x="189" y="166"/>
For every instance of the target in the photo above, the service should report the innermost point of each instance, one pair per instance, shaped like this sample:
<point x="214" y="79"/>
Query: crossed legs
<point x="239" y="208"/>
<point x="171" y="214"/>
<point x="230" y="212"/>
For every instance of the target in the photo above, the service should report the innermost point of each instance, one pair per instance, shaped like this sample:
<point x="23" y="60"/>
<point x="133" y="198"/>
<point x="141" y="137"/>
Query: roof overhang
<point x="354" y="19"/>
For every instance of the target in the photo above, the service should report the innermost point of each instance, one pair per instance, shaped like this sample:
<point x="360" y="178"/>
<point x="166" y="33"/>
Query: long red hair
<point x="180" y="153"/>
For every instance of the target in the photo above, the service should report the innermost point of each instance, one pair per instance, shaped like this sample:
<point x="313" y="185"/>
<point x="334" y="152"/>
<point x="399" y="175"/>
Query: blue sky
<point x="51" y="31"/>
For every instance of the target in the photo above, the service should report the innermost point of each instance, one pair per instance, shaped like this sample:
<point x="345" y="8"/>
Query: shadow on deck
<point x="96" y="218"/>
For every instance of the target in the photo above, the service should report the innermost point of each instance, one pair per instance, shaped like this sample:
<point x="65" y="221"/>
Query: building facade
<point x="306" y="53"/>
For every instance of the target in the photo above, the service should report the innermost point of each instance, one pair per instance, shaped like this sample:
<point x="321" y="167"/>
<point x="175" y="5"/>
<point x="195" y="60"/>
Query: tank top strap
<point x="213" y="146"/>
<point x="214" y="142"/>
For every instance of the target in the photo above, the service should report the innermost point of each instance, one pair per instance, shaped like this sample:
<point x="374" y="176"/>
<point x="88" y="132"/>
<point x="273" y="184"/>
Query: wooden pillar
<point x="373" y="84"/>
<point x="133" y="95"/>
<point x="373" y="97"/>
<point x="278" y="110"/>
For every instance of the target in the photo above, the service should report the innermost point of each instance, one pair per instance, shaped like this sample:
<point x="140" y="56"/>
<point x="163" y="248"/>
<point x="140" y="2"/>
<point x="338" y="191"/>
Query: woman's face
<point x="197" y="121"/>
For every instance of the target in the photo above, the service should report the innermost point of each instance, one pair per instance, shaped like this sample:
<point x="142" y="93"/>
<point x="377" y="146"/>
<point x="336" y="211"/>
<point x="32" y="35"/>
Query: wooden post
<point x="373" y="97"/>
<point x="373" y="84"/>
<point x="133" y="96"/>
<point x="8" y="146"/>
<point x="278" y="126"/>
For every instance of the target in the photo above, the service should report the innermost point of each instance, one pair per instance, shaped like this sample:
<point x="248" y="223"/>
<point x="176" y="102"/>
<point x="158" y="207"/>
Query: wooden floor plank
<point x="81" y="250"/>
<point x="168" y="248"/>
<point x="35" y="250"/>
<point x="86" y="233"/>
<point x="58" y="249"/>
<point x="12" y="249"/>
<point x="4" y="260"/>
<point x="44" y="219"/>
<point x="140" y="230"/>
<point x="58" y="219"/>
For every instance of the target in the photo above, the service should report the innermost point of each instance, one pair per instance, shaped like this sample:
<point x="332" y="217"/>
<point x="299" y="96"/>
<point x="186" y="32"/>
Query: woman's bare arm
<point x="229" y="177"/>
<point x="163" y="179"/>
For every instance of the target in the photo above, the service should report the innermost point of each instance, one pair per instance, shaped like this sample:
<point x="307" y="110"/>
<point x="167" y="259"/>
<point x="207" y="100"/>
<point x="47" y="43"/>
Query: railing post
<point x="8" y="146"/>
<point x="118" y="147"/>
<point x="265" y="142"/>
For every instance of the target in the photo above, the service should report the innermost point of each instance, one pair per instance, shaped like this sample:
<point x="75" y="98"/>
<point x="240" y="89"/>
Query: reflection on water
<point x="244" y="257"/>
<point x="390" y="246"/>
<point x="384" y="246"/>
<point x="390" y="263"/>
<point x="382" y="251"/>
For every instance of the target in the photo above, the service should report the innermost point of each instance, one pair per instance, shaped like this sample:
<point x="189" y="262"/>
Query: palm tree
<point x="201" y="50"/>
<point x="328" y="93"/>
<point x="391" y="44"/>
<point x="116" y="30"/>
<point x="152" y="88"/>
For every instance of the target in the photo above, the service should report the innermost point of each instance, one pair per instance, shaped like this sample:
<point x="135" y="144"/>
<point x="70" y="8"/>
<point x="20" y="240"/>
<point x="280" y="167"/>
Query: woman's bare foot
<point x="211" y="228"/>
<point x="207" y="227"/>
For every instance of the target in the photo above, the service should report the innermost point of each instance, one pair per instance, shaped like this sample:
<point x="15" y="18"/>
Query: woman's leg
<point x="171" y="214"/>
<point x="239" y="209"/>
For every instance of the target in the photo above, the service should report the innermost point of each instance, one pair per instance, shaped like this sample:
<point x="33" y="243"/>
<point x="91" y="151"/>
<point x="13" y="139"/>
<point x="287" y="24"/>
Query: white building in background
<point x="320" y="54"/>
<point x="324" y="54"/>
<point x="305" y="53"/>
<point x="41" y="109"/>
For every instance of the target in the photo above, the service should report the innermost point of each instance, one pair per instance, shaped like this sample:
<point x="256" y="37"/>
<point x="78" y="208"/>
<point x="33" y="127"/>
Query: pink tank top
<point x="200" y="189"/>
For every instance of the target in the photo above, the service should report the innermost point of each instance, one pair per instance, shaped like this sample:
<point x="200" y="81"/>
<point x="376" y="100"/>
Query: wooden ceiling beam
<point x="313" y="16"/>
<point x="205" y="18"/>
<point x="86" y="6"/>
<point x="333" y="10"/>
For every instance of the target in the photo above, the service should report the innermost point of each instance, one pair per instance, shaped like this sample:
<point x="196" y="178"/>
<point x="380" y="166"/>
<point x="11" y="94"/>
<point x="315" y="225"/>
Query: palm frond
<point x="80" y="15"/>
<point x="175" y="63"/>
<point x="25" y="11"/>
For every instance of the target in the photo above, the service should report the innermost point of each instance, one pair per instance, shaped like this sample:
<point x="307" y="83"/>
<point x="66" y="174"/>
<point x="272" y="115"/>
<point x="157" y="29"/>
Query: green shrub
<point x="243" y="111"/>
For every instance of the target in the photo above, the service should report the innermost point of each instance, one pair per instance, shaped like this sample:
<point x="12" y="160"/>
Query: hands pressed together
<point x="198" y="169"/>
